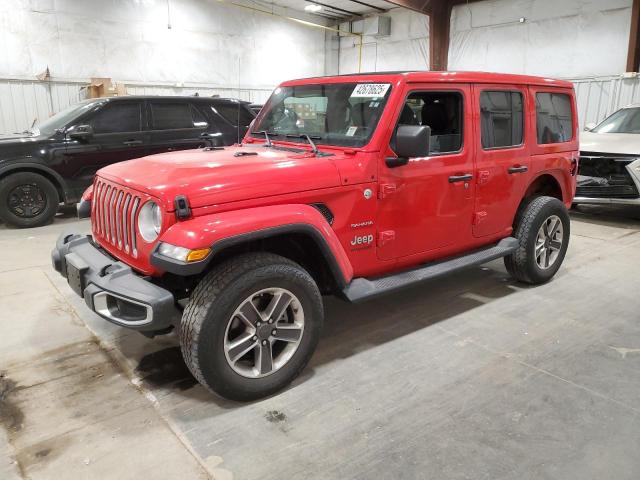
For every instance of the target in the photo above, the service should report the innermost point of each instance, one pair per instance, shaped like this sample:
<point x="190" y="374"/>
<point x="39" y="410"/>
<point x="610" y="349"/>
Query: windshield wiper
<point x="266" y="136"/>
<point x="308" y="138"/>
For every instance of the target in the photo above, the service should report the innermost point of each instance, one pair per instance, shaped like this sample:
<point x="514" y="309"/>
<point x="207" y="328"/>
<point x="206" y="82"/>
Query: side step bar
<point x="361" y="288"/>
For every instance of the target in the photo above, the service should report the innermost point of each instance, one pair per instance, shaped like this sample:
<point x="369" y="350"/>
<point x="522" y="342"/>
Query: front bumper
<point x="625" y="191"/>
<point x="111" y="288"/>
<point x="606" y="201"/>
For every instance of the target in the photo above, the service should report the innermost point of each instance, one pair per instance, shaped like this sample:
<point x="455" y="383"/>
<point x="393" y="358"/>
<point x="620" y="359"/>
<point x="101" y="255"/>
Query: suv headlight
<point x="150" y="221"/>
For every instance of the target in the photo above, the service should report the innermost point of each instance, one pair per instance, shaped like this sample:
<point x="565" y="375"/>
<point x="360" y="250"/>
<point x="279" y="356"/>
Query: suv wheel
<point x="251" y="326"/>
<point x="542" y="231"/>
<point x="27" y="200"/>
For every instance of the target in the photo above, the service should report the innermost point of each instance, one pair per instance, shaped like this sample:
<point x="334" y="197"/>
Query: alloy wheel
<point x="264" y="332"/>
<point x="549" y="242"/>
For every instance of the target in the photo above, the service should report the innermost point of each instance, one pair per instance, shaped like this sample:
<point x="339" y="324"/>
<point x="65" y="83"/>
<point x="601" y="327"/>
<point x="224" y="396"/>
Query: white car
<point x="609" y="171"/>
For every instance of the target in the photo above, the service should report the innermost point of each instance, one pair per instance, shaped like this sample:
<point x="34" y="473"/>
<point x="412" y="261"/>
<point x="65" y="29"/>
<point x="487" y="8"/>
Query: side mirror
<point x="81" y="132"/>
<point x="411" y="141"/>
<point x="589" y="126"/>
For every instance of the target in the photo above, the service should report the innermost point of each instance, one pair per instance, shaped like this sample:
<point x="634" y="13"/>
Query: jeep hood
<point x="213" y="177"/>
<point x="616" y="143"/>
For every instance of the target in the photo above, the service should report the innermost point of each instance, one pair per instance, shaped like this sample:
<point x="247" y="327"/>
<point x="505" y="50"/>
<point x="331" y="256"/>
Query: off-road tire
<point x="216" y="297"/>
<point x="49" y="192"/>
<point x="522" y="263"/>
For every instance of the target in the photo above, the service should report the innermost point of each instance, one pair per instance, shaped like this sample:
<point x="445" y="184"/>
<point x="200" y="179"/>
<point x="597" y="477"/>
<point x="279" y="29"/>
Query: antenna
<point x="238" y="100"/>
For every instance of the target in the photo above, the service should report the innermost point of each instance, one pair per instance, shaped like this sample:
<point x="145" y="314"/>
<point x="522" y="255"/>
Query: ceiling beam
<point x="355" y="14"/>
<point x="382" y="10"/>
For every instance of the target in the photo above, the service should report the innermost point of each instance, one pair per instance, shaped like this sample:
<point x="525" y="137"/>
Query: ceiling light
<point x="313" y="8"/>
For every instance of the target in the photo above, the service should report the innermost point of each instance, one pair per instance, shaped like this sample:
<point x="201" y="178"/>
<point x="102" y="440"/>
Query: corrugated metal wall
<point x="24" y="101"/>
<point x="601" y="96"/>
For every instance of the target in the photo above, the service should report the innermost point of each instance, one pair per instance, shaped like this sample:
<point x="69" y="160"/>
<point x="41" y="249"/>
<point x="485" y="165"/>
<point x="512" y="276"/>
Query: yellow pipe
<point x="303" y="22"/>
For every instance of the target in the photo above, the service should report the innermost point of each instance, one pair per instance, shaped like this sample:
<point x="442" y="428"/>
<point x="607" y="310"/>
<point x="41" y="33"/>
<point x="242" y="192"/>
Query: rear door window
<point x="501" y="119"/>
<point x="118" y="117"/>
<point x="175" y="116"/>
<point x="554" y="118"/>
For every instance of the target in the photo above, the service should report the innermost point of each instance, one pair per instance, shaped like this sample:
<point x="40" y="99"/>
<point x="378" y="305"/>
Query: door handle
<point x="130" y="143"/>
<point x="460" y="178"/>
<point x="517" y="169"/>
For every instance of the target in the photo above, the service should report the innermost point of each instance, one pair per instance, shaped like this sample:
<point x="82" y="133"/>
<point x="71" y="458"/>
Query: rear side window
<point x="501" y="119"/>
<point x="554" y="119"/>
<point x="173" y="116"/>
<point x="118" y="118"/>
<point x="233" y="112"/>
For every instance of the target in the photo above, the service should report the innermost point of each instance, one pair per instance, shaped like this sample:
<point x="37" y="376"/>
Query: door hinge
<point x="386" y="189"/>
<point x="479" y="217"/>
<point x="386" y="237"/>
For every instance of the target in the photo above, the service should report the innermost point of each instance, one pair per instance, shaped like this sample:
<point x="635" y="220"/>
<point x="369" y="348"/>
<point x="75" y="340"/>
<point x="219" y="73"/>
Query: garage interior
<point x="470" y="376"/>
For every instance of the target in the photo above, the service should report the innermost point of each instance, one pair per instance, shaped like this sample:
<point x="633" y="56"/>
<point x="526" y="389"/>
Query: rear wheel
<point x="542" y="231"/>
<point x="251" y="326"/>
<point x="27" y="199"/>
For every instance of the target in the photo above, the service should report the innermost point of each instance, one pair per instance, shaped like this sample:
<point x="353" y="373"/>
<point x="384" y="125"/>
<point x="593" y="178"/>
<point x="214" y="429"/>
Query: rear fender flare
<point x="219" y="231"/>
<point x="561" y="177"/>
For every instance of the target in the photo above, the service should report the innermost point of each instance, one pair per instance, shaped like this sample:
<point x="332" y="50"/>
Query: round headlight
<point x="150" y="221"/>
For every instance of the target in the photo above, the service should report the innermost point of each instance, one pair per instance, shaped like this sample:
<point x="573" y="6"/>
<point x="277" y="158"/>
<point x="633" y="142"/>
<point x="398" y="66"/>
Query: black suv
<point x="55" y="162"/>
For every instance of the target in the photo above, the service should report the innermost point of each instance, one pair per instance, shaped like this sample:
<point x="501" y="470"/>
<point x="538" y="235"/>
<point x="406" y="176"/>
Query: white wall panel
<point x="598" y="98"/>
<point x="24" y="101"/>
<point x="559" y="38"/>
<point x="407" y="48"/>
<point x="128" y="40"/>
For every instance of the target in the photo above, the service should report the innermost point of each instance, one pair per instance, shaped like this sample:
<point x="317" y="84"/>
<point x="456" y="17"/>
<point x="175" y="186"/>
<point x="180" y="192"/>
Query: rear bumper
<point x="111" y="288"/>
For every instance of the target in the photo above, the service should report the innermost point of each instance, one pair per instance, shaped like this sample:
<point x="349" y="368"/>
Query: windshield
<point x="62" y="119"/>
<point x="343" y="114"/>
<point x="626" y="120"/>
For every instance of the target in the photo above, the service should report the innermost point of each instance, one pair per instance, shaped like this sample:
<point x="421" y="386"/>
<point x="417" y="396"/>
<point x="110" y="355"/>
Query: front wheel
<point x="27" y="200"/>
<point x="251" y="326"/>
<point x="542" y="231"/>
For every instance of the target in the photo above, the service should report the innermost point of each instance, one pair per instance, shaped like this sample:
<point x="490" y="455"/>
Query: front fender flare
<point x="219" y="231"/>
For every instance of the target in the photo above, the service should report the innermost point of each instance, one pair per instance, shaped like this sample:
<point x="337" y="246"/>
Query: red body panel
<point x="209" y="229"/>
<point x="385" y="219"/>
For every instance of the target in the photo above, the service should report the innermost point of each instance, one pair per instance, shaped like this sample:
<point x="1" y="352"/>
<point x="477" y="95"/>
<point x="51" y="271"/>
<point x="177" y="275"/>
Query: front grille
<point x="607" y="191"/>
<point x="603" y="175"/>
<point x="113" y="210"/>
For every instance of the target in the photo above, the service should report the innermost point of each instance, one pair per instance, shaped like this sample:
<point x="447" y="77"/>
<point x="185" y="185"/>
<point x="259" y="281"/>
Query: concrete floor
<point x="469" y="377"/>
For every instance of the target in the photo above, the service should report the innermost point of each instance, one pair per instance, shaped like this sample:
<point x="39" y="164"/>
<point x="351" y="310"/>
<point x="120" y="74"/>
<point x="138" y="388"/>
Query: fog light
<point x="181" y="253"/>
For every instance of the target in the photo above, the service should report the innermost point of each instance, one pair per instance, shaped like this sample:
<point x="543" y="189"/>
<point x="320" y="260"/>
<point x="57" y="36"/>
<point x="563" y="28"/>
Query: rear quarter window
<point x="554" y="118"/>
<point x="233" y="113"/>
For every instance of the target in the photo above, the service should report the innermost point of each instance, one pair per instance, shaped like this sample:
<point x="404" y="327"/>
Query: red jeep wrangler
<point x="353" y="185"/>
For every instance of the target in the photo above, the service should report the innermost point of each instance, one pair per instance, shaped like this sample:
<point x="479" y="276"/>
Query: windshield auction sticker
<point x="370" y="90"/>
